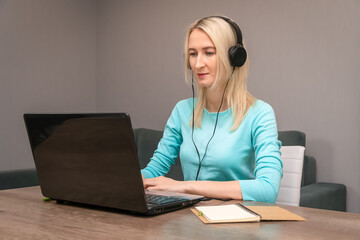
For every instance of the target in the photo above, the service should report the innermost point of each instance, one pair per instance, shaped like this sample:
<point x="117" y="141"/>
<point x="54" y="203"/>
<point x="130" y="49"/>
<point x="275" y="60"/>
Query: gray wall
<point x="304" y="61"/>
<point x="47" y="64"/>
<point x="72" y="55"/>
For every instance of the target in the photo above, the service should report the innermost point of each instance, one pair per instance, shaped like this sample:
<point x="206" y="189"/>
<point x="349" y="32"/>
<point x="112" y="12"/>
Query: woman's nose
<point x="199" y="62"/>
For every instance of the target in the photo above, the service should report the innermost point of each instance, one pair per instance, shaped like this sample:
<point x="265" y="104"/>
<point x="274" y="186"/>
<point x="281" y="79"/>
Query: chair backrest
<point x="146" y="143"/>
<point x="292" y="155"/>
<point x="293" y="159"/>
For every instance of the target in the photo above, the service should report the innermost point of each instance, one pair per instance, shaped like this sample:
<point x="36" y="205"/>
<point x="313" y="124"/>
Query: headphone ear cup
<point x="237" y="56"/>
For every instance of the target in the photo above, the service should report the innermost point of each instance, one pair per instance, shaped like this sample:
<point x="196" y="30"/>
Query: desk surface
<point x="23" y="215"/>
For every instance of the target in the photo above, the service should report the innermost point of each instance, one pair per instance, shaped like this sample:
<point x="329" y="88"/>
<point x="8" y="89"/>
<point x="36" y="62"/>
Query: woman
<point x="228" y="142"/>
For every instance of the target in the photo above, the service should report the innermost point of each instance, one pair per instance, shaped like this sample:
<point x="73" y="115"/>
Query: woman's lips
<point x="202" y="75"/>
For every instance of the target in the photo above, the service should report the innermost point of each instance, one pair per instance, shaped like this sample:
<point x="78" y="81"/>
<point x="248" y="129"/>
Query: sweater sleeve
<point x="268" y="165"/>
<point x="168" y="148"/>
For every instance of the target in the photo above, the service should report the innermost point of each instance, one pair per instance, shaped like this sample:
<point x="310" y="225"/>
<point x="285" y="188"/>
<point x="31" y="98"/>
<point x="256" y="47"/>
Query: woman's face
<point x="202" y="57"/>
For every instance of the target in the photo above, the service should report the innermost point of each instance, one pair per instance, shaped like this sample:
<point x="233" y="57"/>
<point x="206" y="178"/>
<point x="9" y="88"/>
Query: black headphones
<point x="237" y="54"/>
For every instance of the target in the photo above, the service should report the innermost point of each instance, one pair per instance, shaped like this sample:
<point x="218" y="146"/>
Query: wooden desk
<point x="23" y="215"/>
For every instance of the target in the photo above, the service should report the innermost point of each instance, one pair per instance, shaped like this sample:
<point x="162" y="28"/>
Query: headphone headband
<point x="234" y="26"/>
<point x="237" y="54"/>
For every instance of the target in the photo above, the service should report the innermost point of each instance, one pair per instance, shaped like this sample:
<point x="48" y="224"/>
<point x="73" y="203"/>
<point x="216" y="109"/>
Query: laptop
<point x="92" y="159"/>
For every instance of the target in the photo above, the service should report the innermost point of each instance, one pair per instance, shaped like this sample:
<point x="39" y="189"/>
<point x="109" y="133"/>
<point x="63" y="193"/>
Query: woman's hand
<point x="165" y="184"/>
<point x="224" y="190"/>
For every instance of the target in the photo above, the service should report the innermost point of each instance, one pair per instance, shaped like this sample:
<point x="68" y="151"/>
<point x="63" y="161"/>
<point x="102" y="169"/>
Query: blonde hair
<point x="223" y="36"/>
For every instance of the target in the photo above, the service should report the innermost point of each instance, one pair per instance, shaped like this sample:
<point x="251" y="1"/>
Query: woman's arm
<point x="168" y="148"/>
<point x="213" y="189"/>
<point x="268" y="165"/>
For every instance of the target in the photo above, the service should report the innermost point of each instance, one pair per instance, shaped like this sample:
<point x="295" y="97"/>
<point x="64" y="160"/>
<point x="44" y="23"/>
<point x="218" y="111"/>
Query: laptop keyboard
<point x="159" y="200"/>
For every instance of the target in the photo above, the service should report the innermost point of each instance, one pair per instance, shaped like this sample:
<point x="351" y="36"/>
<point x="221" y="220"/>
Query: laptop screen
<point x="87" y="158"/>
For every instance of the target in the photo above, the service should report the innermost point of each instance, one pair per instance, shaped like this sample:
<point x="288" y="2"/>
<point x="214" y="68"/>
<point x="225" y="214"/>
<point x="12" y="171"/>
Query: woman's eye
<point x="192" y="54"/>
<point x="210" y="53"/>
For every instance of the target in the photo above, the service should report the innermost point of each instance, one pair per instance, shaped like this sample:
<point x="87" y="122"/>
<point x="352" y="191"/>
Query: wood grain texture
<point x="23" y="215"/>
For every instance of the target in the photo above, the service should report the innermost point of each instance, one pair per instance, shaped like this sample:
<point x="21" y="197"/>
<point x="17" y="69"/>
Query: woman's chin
<point x="205" y="83"/>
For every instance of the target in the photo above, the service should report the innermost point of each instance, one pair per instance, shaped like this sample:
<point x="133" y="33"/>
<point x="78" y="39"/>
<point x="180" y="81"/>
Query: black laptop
<point x="92" y="159"/>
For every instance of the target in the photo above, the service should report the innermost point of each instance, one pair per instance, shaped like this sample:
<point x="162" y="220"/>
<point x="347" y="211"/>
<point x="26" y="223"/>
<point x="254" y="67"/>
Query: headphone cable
<point x="216" y="121"/>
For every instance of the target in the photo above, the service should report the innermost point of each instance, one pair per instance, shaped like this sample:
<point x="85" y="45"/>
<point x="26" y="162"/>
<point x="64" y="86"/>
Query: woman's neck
<point x="213" y="100"/>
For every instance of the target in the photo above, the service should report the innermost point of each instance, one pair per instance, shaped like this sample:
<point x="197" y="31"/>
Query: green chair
<point x="331" y="196"/>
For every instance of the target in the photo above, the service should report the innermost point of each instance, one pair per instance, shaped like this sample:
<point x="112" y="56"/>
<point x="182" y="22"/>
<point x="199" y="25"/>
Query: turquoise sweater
<point x="250" y="154"/>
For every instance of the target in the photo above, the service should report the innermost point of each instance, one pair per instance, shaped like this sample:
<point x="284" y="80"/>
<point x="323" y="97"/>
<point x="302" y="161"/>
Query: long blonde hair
<point x="223" y="36"/>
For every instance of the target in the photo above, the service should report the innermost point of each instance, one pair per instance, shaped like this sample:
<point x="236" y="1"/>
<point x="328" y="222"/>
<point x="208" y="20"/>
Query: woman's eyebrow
<point x="204" y="48"/>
